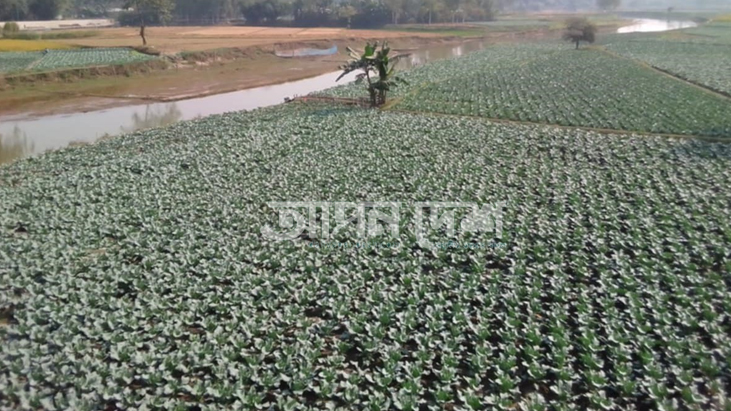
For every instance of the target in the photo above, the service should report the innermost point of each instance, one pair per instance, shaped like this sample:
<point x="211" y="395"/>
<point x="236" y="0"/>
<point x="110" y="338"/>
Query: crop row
<point x="136" y="274"/>
<point x="706" y="64"/>
<point x="17" y="61"/>
<point x="60" y="59"/>
<point x="550" y="83"/>
<point x="573" y="88"/>
<point x="56" y="59"/>
<point x="717" y="32"/>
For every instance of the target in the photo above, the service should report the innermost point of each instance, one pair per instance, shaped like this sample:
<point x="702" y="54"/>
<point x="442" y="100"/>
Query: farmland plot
<point x="548" y="83"/>
<point x="717" y="32"/>
<point x="58" y="59"/>
<point x="61" y="59"/>
<point x="706" y="64"/>
<point x="17" y="61"/>
<point x="135" y="272"/>
<point x="570" y="88"/>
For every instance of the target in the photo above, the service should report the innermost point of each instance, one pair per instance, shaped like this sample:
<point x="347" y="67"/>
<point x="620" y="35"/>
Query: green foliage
<point x="47" y="9"/>
<point x="93" y="8"/>
<point x="13" y="10"/>
<point x="10" y="28"/>
<point x="580" y="29"/>
<point x="378" y="70"/>
<point x="261" y="11"/>
<point x="17" y="61"/>
<point x="134" y="270"/>
<point x="148" y="12"/>
<point x="61" y="59"/>
<point x="548" y="84"/>
<point x="708" y="64"/>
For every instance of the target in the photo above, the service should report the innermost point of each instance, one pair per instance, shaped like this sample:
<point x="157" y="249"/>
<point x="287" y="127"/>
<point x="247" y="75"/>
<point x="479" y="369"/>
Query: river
<point x="21" y="137"/>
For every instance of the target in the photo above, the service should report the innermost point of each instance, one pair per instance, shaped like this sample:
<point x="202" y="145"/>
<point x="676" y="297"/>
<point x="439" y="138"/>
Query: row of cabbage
<point x="61" y="59"/>
<point x="17" y="61"/>
<point x="57" y="59"/>
<point x="716" y="32"/>
<point x="550" y="83"/>
<point x="571" y="88"/>
<point x="136" y="274"/>
<point x="705" y="64"/>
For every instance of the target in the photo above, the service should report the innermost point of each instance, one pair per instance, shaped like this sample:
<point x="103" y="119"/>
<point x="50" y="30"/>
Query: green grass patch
<point x="52" y="35"/>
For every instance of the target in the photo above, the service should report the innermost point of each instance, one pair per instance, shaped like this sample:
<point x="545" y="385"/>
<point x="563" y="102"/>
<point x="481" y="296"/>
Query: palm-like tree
<point x="379" y="70"/>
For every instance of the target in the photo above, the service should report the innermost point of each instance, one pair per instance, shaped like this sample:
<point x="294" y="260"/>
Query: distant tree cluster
<point x="31" y="9"/>
<point x="341" y="13"/>
<point x="354" y="13"/>
<point x="607" y="5"/>
<point x="578" y="30"/>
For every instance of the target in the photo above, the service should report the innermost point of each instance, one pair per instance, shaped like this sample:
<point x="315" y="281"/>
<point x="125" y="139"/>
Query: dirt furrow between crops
<point x="583" y="128"/>
<point x="666" y="73"/>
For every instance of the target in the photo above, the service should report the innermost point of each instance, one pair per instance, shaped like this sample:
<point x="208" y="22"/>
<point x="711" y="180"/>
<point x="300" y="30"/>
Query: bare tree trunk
<point x="429" y="16"/>
<point x="142" y="34"/>
<point x="371" y="90"/>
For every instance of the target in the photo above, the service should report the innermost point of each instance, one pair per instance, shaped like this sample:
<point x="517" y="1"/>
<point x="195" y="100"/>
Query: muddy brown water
<point x="22" y="137"/>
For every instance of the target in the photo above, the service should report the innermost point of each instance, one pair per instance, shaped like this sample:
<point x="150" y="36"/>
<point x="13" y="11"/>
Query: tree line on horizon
<point x="355" y="13"/>
<point x="341" y="13"/>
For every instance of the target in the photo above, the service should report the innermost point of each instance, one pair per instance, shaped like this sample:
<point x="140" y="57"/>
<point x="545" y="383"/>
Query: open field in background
<point x="142" y="256"/>
<point x="509" y="24"/>
<point x="701" y="55"/>
<point x="712" y="33"/>
<point x="706" y="64"/>
<point x="177" y="39"/>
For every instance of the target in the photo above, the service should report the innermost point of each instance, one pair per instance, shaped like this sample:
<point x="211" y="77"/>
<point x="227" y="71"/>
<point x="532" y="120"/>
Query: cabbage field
<point x="705" y="64"/>
<point x="716" y="32"/>
<point x="62" y="59"/>
<point x="17" y="61"/>
<point x="135" y="274"/>
<point x="551" y="83"/>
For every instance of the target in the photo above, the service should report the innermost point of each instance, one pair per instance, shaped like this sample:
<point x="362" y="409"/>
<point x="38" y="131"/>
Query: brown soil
<point x="176" y="39"/>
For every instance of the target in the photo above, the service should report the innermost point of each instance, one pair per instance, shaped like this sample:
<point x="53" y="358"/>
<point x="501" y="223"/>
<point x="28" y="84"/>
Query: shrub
<point x="9" y="28"/>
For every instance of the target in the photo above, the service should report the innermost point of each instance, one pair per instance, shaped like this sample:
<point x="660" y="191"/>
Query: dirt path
<point x="667" y="73"/>
<point x="594" y="129"/>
